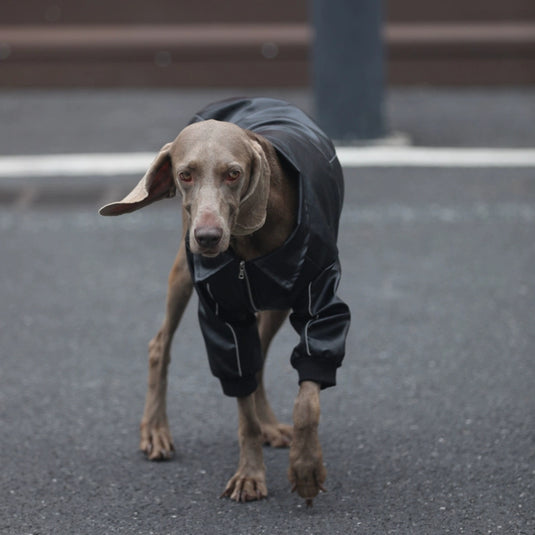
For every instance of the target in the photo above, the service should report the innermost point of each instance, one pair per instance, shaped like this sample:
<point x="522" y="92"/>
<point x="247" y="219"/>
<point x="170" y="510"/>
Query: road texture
<point x="429" y="431"/>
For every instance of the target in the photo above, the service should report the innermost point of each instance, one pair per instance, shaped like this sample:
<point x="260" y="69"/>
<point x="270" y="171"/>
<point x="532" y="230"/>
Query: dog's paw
<point x="307" y="476"/>
<point x="277" y="435"/>
<point x="156" y="442"/>
<point x="243" y="487"/>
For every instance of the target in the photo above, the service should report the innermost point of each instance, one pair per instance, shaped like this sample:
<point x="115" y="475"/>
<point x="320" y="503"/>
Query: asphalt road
<point x="430" y="429"/>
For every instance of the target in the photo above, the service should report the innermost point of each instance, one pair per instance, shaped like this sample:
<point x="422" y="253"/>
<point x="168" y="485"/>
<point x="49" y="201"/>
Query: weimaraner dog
<point x="262" y="192"/>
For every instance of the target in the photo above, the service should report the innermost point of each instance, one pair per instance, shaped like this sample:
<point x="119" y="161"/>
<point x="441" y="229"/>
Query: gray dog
<point x="262" y="191"/>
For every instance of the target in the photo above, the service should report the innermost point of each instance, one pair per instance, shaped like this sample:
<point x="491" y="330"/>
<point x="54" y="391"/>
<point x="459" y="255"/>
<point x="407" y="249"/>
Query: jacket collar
<point x="282" y="266"/>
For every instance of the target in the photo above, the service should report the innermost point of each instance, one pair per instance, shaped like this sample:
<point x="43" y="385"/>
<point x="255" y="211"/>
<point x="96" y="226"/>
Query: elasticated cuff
<point x="239" y="388"/>
<point x="323" y="373"/>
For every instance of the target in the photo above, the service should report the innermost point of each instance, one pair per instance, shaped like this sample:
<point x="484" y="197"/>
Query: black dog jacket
<point x="302" y="275"/>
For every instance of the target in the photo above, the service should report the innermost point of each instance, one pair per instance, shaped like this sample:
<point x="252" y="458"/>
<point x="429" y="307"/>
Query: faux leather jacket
<point x="302" y="275"/>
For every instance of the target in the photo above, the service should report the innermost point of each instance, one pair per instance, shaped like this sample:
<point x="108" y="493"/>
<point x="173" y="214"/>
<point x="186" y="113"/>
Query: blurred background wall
<point x="179" y="43"/>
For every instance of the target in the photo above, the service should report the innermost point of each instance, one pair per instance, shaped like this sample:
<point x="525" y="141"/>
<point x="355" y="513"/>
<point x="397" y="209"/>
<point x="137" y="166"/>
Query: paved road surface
<point x="430" y="430"/>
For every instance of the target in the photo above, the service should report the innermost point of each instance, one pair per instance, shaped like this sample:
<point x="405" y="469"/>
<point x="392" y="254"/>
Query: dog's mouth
<point x="210" y="254"/>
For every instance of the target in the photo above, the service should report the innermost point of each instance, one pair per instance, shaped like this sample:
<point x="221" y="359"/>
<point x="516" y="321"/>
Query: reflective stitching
<point x="307" y="347"/>
<point x="209" y="290"/>
<point x="306" y="338"/>
<point x="238" y="363"/>
<point x="310" y="299"/>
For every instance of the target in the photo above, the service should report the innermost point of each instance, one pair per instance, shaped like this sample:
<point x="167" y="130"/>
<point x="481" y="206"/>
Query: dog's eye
<point x="233" y="175"/>
<point x="185" y="176"/>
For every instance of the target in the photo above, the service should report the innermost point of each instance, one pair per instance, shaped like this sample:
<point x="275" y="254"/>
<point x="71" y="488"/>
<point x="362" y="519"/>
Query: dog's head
<point x="222" y="173"/>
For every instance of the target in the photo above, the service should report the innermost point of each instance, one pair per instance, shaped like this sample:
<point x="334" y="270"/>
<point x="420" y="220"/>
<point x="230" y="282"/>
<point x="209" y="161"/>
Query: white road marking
<point x="113" y="164"/>
<point x="435" y="157"/>
<point x="105" y="164"/>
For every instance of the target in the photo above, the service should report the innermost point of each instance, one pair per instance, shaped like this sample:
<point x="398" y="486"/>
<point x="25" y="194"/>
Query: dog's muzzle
<point x="208" y="238"/>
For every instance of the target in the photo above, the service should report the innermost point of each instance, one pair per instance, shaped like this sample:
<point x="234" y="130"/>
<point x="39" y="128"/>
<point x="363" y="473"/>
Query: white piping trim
<point x="209" y="290"/>
<point x="307" y="346"/>
<point x="238" y="362"/>
<point x="333" y="158"/>
<point x="310" y="299"/>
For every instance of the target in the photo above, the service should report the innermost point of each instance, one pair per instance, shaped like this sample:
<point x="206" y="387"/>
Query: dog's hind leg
<point x="156" y="439"/>
<point x="273" y="433"/>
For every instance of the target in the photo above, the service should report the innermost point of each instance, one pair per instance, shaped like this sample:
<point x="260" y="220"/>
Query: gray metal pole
<point x="348" y="71"/>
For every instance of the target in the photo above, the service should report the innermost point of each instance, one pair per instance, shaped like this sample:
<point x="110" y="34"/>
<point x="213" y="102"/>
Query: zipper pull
<point x="241" y="274"/>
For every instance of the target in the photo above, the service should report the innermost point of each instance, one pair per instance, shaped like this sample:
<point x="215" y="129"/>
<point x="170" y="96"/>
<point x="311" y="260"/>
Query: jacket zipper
<point x="242" y="275"/>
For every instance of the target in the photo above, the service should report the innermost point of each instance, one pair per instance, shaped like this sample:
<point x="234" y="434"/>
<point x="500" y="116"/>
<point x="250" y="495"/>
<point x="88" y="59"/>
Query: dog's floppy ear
<point x="157" y="184"/>
<point x="253" y="204"/>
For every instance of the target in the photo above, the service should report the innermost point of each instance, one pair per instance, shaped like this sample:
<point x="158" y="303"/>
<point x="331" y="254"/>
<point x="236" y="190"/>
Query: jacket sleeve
<point x="322" y="321"/>
<point x="233" y="348"/>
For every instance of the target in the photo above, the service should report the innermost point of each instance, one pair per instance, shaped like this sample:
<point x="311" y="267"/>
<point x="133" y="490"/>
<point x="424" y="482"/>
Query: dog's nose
<point x="208" y="237"/>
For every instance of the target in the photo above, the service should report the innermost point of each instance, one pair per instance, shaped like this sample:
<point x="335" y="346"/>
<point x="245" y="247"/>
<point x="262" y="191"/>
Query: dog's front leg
<point x="156" y="440"/>
<point x="307" y="472"/>
<point x="249" y="481"/>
